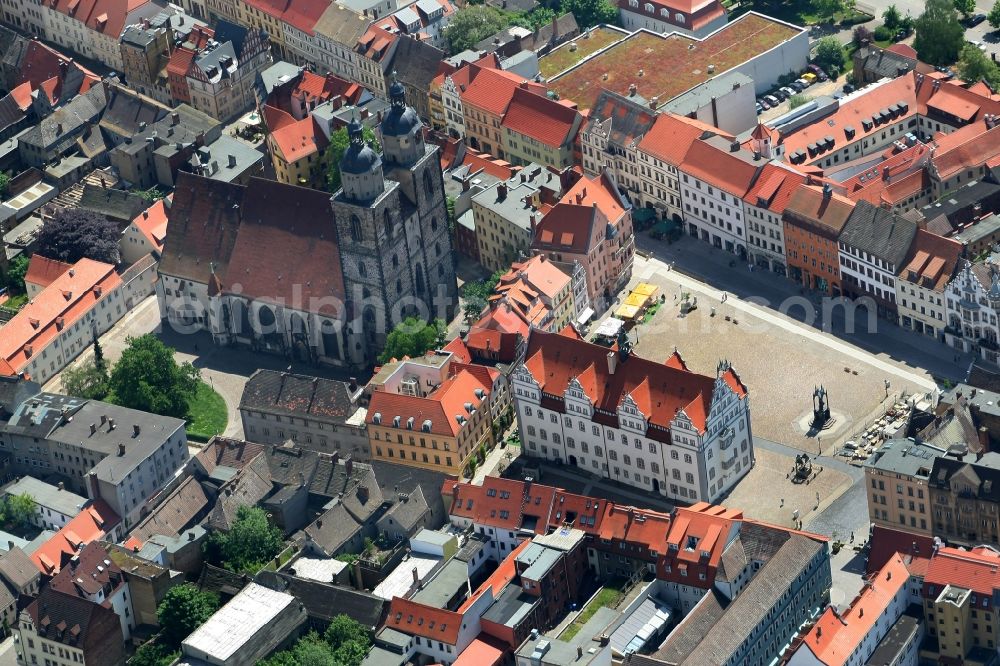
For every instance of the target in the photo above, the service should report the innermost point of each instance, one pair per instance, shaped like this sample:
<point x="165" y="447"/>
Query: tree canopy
<point x="589" y="13"/>
<point x="339" y="142"/>
<point x="994" y="16"/>
<point x="18" y="509"/>
<point x="891" y="18"/>
<point x="249" y="545"/>
<point x="73" y="234"/>
<point x="940" y="37"/>
<point x="471" y="25"/>
<point x="147" y="377"/>
<point x="966" y="7"/>
<point x="16" y="270"/>
<point x="412" y="337"/>
<point x="830" y="55"/>
<point x="476" y="294"/>
<point x="345" y="643"/>
<point x="87" y="380"/>
<point x="154" y="654"/>
<point x="974" y="65"/>
<point x="184" y="608"/>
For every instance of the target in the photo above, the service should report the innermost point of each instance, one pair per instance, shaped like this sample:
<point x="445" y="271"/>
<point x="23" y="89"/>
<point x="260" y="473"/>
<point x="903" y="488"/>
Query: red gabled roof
<point x="441" y="408"/>
<point x="92" y="523"/>
<point x="977" y="570"/>
<point x="42" y="64"/>
<point x="774" y="187"/>
<point x="152" y="223"/>
<point x="550" y="122"/>
<point x="104" y="16"/>
<point x="671" y="136"/>
<point x="492" y="90"/>
<point x="931" y="261"/>
<point x="554" y="360"/>
<point x="43" y="271"/>
<point x="725" y="170"/>
<point x="966" y="148"/>
<point x="500" y="578"/>
<point x="299" y="139"/>
<point x="416" y="619"/>
<point x="916" y="549"/>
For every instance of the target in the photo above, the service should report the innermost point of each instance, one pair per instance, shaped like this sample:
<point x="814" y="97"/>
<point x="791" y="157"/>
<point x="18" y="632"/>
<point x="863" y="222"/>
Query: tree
<point x="473" y="24"/>
<point x="830" y="55"/>
<point x="412" y="337"/>
<point x="861" y="35"/>
<point x="351" y="653"/>
<point x="4" y="182"/>
<point x="153" y="654"/>
<point x="475" y="295"/>
<point x="974" y="65"/>
<point x="151" y="195"/>
<point x="98" y="353"/>
<point x="73" y="234"/>
<point x="86" y="381"/>
<point x="184" y="608"/>
<point x="148" y="378"/>
<point x="19" y="509"/>
<point x="16" y="271"/>
<point x="994" y="16"/>
<point x="967" y="7"/>
<point x="891" y="18"/>
<point x="249" y="545"/>
<point x="339" y="142"/>
<point x="827" y="9"/>
<point x="589" y="13"/>
<point x="940" y="36"/>
<point x="536" y="18"/>
<point x="344" y="628"/>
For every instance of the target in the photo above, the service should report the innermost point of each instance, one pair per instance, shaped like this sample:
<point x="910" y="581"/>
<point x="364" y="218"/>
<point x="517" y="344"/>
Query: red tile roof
<point x="725" y="170"/>
<point x="853" y="117"/>
<point x="491" y="90"/>
<point x="67" y="298"/>
<point x="916" y="549"/>
<point x="966" y="148"/>
<point x="808" y="203"/>
<point x="497" y="333"/>
<point x="836" y="636"/>
<point x="499" y="579"/>
<point x="481" y="652"/>
<point x="550" y="122"/>
<point x="104" y="16"/>
<point x="298" y="139"/>
<point x="416" y="619"/>
<point x="152" y="223"/>
<point x="774" y="187"/>
<point x="91" y="524"/>
<point x="441" y="408"/>
<point x="660" y="391"/>
<point x="671" y="136"/>
<point x="977" y="570"/>
<point x="903" y="49"/>
<point x="42" y="63"/>
<point x="43" y="271"/>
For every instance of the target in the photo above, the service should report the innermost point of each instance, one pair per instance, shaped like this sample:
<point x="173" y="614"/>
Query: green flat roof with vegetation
<point x="588" y="43"/>
<point x="666" y="66"/>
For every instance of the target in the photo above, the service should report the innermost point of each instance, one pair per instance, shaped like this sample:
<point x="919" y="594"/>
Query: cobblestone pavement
<point x="780" y="359"/>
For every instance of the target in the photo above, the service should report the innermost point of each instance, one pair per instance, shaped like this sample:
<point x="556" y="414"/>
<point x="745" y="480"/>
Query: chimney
<point x="111" y="425"/>
<point x="734" y="147"/>
<point x="190" y="536"/>
<point x="93" y="428"/>
<point x="827" y="191"/>
<point x="534" y="223"/>
<point x="349" y="465"/>
<point x="984" y="439"/>
<point x="232" y="161"/>
<point x="416" y="576"/>
<point x="632" y="90"/>
<point x="121" y="448"/>
<point x="358" y="583"/>
<point x="319" y="524"/>
<point x="10" y="545"/>
<point x="104" y="419"/>
<point x="612" y="362"/>
<point x="136" y="430"/>
<point x="502" y="191"/>
<point x="175" y="118"/>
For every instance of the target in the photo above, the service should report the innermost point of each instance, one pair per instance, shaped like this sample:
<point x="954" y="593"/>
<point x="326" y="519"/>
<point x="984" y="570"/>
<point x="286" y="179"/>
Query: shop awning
<point x="627" y="312"/>
<point x="585" y="316"/>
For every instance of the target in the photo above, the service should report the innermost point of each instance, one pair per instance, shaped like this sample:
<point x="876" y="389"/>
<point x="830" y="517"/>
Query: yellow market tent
<point x="627" y="312"/>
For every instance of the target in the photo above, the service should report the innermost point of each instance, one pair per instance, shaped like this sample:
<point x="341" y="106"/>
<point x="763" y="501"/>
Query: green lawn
<point x="207" y="414"/>
<point x="608" y="597"/>
<point x="15" y="303"/>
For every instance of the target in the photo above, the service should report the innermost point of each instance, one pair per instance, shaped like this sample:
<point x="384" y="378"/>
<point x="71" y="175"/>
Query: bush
<point x="796" y="101"/>
<point x="883" y="34"/>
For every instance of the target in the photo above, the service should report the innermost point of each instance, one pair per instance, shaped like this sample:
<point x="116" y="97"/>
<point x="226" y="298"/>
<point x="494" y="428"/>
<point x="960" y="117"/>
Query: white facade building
<point x="599" y="415"/>
<point x="973" y="301"/>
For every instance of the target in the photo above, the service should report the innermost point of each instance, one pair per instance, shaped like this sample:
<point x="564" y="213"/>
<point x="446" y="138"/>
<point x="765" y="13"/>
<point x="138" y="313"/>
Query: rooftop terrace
<point x="670" y="64"/>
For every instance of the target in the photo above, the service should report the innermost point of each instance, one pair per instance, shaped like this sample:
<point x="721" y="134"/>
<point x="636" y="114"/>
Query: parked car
<point x="774" y="101"/>
<point x="804" y="82"/>
<point x="760" y="108"/>
<point x="780" y="94"/>
<point x="764" y="103"/>
<point x="789" y="91"/>
<point x="809" y="77"/>
<point x="798" y="86"/>
<point x="818" y="71"/>
<point x="849" y="88"/>
<point x="976" y="19"/>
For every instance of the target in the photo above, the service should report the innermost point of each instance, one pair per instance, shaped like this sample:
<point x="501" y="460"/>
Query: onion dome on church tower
<point x="402" y="130"/>
<point x="361" y="167"/>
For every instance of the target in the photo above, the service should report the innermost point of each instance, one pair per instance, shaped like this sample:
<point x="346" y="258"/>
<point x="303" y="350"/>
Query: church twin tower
<point x="392" y="227"/>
